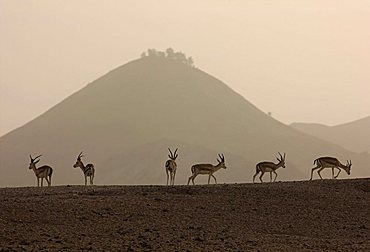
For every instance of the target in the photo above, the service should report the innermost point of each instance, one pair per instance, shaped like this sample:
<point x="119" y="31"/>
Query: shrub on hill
<point x="169" y="54"/>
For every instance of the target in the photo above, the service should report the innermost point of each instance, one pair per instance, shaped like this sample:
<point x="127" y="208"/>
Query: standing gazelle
<point x="269" y="167"/>
<point x="43" y="172"/>
<point x="88" y="170"/>
<point x="330" y="162"/>
<point x="207" y="169"/>
<point x="171" y="166"/>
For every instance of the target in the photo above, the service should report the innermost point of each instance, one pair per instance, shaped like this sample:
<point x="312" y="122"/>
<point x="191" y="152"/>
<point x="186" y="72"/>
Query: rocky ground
<point x="288" y="216"/>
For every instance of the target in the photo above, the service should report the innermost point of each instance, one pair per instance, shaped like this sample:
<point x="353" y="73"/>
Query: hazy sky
<point x="305" y="61"/>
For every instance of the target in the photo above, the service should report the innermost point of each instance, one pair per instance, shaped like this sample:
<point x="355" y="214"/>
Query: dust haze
<point x="303" y="62"/>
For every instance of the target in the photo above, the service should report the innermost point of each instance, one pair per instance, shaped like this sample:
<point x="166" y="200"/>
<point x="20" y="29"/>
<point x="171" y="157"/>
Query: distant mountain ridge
<point x="125" y="120"/>
<point x="354" y="136"/>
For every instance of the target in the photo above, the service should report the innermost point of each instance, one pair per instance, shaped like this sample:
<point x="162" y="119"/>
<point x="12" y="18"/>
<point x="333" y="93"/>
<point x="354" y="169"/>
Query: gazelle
<point x="269" y="167"/>
<point x="43" y="172"/>
<point x="88" y="170"/>
<point x="207" y="169"/>
<point x="330" y="162"/>
<point x="171" y="166"/>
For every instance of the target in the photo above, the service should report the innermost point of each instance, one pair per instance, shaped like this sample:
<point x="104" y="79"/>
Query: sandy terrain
<point x="293" y="216"/>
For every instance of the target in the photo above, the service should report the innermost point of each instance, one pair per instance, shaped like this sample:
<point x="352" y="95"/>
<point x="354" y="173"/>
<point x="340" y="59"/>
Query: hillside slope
<point x="354" y="136"/>
<point x="125" y="120"/>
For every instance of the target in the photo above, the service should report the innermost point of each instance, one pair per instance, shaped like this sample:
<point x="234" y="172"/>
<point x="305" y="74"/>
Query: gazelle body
<point x="171" y="166"/>
<point x="269" y="167"/>
<point x="88" y="170"/>
<point x="43" y="172"/>
<point x="330" y="162"/>
<point x="207" y="169"/>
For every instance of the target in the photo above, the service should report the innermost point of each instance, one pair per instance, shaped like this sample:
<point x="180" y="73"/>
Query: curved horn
<point x="80" y="155"/>
<point x="281" y="157"/>
<point x="175" y="155"/>
<point x="31" y="157"/>
<point x="171" y="156"/>
<point x="221" y="156"/>
<point x="37" y="157"/>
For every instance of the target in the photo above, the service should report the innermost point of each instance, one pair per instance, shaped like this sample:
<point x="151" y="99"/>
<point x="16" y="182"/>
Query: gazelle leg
<point x="254" y="176"/>
<point x="261" y="176"/>
<point x="85" y="180"/>
<point x="214" y="178"/>
<point x="50" y="180"/>
<point x="173" y="178"/>
<point x="47" y="180"/>
<point x="92" y="179"/>
<point x="338" y="172"/>
<point x="38" y="182"/>
<point x="167" y="175"/>
<point x="313" y="169"/>
<point x="275" y="175"/>
<point x="319" y="172"/>
<point x="42" y="182"/>
<point x="194" y="178"/>
<point x="332" y="172"/>
<point x="270" y="176"/>
<point x="209" y="178"/>
<point x="189" y="179"/>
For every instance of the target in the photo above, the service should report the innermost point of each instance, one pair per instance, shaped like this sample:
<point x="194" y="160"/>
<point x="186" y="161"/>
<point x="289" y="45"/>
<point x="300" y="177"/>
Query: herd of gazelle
<point x="45" y="171"/>
<point x="262" y="167"/>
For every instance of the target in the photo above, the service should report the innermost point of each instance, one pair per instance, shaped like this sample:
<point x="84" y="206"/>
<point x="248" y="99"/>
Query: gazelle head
<point x="348" y="167"/>
<point x="34" y="162"/>
<point x="281" y="160"/>
<point x="221" y="161"/>
<point x="174" y="155"/>
<point x="78" y="162"/>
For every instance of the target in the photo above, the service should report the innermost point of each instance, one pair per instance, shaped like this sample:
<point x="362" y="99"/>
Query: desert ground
<point x="283" y="216"/>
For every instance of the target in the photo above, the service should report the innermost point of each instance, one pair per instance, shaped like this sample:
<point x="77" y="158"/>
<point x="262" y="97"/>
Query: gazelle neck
<point x="280" y="164"/>
<point x="34" y="168"/>
<point x="218" y="166"/>
<point x="82" y="166"/>
<point x="345" y="167"/>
